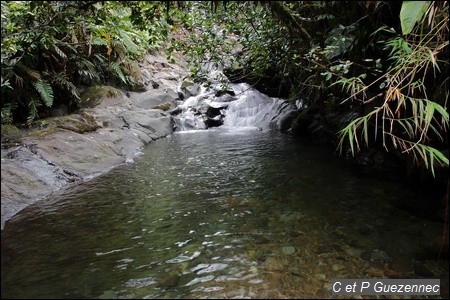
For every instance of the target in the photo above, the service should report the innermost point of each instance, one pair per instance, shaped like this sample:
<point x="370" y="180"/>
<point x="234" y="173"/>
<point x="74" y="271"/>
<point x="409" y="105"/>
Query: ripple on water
<point x="183" y="258"/>
<point x="215" y="216"/>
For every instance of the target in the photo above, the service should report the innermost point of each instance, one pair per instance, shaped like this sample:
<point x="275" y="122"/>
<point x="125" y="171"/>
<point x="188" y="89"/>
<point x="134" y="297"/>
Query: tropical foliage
<point x="51" y="48"/>
<point x="385" y="60"/>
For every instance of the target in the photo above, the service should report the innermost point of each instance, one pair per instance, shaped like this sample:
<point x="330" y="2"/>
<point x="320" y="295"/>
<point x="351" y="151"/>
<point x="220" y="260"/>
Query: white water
<point x="247" y="108"/>
<point x="254" y="109"/>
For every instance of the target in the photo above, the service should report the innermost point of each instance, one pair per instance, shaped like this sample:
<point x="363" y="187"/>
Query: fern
<point x="6" y="114"/>
<point x="33" y="104"/>
<point x="62" y="79"/>
<point x="117" y="70"/>
<point x="87" y="69"/>
<point x="45" y="90"/>
<point x="59" y="52"/>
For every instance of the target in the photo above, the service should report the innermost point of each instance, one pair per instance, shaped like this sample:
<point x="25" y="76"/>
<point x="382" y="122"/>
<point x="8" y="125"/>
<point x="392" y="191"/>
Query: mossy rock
<point x="137" y="87"/>
<point x="93" y="95"/>
<point x="35" y="133"/>
<point x="79" y="123"/>
<point x="187" y="82"/>
<point x="163" y="106"/>
<point x="11" y="134"/>
<point x="132" y="69"/>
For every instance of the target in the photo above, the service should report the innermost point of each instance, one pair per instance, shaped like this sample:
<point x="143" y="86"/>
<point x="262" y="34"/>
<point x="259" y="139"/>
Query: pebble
<point x="288" y="250"/>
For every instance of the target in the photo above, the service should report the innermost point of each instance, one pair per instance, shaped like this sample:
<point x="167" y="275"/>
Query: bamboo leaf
<point x="442" y="111"/>
<point x="350" y="139"/>
<point x="429" y="112"/>
<point x="441" y="157"/>
<point x="366" y="134"/>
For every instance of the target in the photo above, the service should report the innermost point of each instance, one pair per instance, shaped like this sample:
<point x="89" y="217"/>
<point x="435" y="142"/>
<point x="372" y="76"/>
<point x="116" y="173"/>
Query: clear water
<point x="218" y="214"/>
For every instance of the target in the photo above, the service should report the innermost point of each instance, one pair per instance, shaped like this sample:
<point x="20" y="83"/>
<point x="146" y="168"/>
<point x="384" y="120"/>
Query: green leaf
<point x="45" y="90"/>
<point x="411" y="13"/>
<point x="441" y="157"/>
<point x="350" y="139"/>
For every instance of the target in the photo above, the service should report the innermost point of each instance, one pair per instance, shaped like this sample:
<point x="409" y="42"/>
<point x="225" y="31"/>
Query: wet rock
<point x="214" y="122"/>
<point x="337" y="267"/>
<point x="168" y="280"/>
<point x="288" y="250"/>
<point x="303" y="120"/>
<point x="175" y="111"/>
<point x="320" y="276"/>
<point x="288" y="217"/>
<point x="225" y="98"/>
<point x="354" y="252"/>
<point x="273" y="264"/>
<point x="223" y="92"/>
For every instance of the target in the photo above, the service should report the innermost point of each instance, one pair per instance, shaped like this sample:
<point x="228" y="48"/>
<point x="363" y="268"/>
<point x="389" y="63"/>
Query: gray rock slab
<point x="151" y="98"/>
<point x="60" y="158"/>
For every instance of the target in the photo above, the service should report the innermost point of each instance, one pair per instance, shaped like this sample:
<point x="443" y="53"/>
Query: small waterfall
<point x="254" y="109"/>
<point x="240" y="105"/>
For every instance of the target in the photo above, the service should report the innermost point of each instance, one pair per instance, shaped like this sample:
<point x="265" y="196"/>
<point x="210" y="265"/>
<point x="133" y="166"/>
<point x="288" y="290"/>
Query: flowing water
<point x="219" y="213"/>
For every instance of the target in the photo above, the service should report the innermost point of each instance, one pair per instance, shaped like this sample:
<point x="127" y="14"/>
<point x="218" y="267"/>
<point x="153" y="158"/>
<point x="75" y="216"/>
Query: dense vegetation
<point x="385" y="63"/>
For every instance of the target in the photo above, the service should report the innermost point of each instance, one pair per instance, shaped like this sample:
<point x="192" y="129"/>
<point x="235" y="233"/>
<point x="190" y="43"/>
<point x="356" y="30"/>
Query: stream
<point x="228" y="212"/>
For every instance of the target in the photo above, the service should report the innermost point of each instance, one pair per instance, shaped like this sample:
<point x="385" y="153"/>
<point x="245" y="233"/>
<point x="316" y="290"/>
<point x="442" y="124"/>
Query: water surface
<point x="220" y="213"/>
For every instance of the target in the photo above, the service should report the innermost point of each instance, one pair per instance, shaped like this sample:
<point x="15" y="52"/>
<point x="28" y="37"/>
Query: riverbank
<point x="72" y="149"/>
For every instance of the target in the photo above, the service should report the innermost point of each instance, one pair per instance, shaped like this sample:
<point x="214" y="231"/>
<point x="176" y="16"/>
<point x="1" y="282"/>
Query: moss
<point x="163" y="106"/>
<point x="133" y="70"/>
<point x="11" y="135"/>
<point x="40" y="132"/>
<point x="79" y="123"/>
<point x="92" y="95"/>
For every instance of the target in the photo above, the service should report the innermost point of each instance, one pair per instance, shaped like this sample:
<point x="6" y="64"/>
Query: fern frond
<point x="45" y="90"/>
<point x="87" y="69"/>
<point x="115" y="67"/>
<point x="33" y="104"/>
<point x="119" y="48"/>
<point x="62" y="79"/>
<point x="59" y="52"/>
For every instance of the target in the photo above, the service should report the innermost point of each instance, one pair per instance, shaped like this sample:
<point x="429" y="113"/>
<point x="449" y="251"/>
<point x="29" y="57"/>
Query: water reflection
<point x="218" y="214"/>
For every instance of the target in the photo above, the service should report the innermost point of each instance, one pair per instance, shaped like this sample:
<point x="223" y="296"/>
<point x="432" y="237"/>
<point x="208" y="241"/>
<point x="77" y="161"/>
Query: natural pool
<point x="220" y="213"/>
